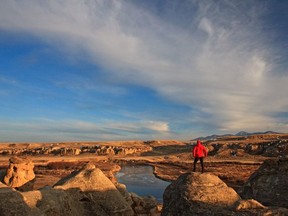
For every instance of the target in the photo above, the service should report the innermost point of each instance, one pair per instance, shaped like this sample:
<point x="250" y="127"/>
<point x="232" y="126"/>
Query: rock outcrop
<point x="50" y="202"/>
<point x="20" y="173"/>
<point x="124" y="192"/>
<point x="96" y="188"/>
<point x="83" y="193"/>
<point x="144" y="205"/>
<point x="206" y="194"/>
<point x="12" y="202"/>
<point x="55" y="149"/>
<point x="198" y="194"/>
<point x="269" y="184"/>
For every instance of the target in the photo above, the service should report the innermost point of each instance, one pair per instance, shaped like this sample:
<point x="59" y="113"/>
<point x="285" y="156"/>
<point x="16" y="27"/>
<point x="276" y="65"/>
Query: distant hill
<point x="212" y="137"/>
<point x="244" y="133"/>
<point x="241" y="133"/>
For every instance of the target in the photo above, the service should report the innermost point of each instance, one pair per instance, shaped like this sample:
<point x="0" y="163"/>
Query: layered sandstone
<point x="20" y="173"/>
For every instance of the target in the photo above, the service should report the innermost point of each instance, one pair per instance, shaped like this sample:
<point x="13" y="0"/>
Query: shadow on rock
<point x="269" y="184"/>
<point x="12" y="202"/>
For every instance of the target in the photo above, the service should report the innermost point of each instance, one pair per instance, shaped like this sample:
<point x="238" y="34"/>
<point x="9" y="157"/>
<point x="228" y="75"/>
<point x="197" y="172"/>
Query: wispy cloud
<point x="217" y="61"/>
<point x="65" y="130"/>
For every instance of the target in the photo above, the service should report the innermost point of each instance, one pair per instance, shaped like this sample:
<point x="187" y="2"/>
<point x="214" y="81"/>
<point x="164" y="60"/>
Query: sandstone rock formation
<point x="269" y="184"/>
<point x="144" y="205"/>
<point x="206" y="194"/>
<point x="20" y="173"/>
<point x="124" y="192"/>
<point x="83" y="193"/>
<point x="266" y="145"/>
<point x="55" y="149"/>
<point x="11" y="202"/>
<point x="98" y="189"/>
<point x="198" y="194"/>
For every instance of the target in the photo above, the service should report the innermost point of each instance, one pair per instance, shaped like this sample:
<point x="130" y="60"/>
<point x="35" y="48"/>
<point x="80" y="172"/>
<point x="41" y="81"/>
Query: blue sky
<point x="120" y="70"/>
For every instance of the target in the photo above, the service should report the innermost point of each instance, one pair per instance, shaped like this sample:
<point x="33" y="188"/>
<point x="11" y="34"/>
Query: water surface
<point x="142" y="181"/>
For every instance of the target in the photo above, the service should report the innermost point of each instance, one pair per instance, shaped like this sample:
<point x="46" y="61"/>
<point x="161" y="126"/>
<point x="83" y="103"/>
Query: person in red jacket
<point x="199" y="152"/>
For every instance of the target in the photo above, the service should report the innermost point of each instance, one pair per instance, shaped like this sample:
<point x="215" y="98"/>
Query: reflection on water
<point x="141" y="180"/>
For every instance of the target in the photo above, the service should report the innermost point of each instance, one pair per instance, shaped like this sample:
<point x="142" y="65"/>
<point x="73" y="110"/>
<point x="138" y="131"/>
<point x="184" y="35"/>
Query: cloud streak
<point x="73" y="129"/>
<point x="217" y="61"/>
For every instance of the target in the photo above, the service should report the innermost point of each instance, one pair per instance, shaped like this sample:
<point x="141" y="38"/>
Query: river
<point x="142" y="181"/>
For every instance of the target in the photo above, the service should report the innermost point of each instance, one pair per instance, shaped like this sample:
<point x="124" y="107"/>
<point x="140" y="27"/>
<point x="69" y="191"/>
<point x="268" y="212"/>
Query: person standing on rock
<point x="199" y="152"/>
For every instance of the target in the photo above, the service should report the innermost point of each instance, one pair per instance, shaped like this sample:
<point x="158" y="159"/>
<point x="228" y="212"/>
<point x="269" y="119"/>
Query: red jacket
<point x="199" y="150"/>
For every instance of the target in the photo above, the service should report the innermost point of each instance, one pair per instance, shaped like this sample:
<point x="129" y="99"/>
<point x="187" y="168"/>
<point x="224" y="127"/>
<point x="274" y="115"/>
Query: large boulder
<point x="12" y="202"/>
<point x="269" y="184"/>
<point x="92" y="186"/>
<point x="47" y="202"/>
<point x="20" y="173"/>
<point x="198" y="194"/>
<point x="51" y="202"/>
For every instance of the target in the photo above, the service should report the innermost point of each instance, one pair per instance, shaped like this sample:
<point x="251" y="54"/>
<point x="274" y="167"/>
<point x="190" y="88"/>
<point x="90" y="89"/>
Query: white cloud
<point x="217" y="62"/>
<point x="157" y="126"/>
<point x="206" y="26"/>
<point x="67" y="130"/>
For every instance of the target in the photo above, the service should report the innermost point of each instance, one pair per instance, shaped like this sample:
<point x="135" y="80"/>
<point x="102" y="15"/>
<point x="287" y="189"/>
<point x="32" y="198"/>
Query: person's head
<point x="198" y="142"/>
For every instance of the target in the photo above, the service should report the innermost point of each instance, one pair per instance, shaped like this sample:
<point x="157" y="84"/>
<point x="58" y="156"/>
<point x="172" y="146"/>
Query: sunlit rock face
<point x="20" y="173"/>
<point x="95" y="188"/>
<point x="84" y="192"/>
<point x="269" y="184"/>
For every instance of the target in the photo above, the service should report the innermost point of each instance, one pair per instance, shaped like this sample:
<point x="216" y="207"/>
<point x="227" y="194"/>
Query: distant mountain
<point x="241" y="133"/>
<point x="212" y="137"/>
<point x="244" y="133"/>
<point x="271" y="132"/>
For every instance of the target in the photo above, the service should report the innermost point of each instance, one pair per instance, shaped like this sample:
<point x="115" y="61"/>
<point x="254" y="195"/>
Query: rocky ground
<point x="233" y="159"/>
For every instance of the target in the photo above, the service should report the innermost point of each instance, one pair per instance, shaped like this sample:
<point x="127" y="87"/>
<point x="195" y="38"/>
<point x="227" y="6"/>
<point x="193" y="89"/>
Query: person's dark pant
<point x="195" y="162"/>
